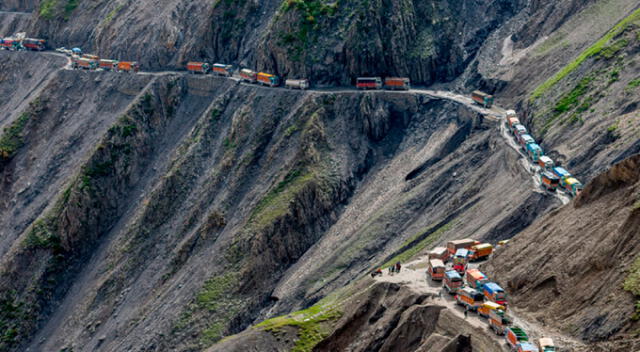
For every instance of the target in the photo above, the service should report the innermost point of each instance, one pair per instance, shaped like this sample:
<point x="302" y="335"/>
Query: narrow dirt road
<point x="413" y="275"/>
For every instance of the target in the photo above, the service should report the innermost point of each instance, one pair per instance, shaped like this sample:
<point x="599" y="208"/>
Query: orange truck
<point x="268" y="79"/>
<point x="397" y="83"/>
<point x="465" y="243"/>
<point x="470" y="298"/>
<point x="248" y="75"/>
<point x="223" y="70"/>
<point x="198" y="67"/>
<point x="499" y="321"/>
<point x="475" y="278"/>
<point x="480" y="251"/>
<point x="128" y="66"/>
<point x="482" y="98"/>
<point x="439" y="253"/>
<point x="514" y="336"/>
<point x="108" y="65"/>
<point x="436" y="269"/>
<point x="84" y="63"/>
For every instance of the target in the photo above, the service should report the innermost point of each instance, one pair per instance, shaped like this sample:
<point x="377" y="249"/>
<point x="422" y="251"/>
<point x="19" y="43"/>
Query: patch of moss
<point x="592" y="51"/>
<point x="11" y="312"/>
<point x="311" y="324"/>
<point x="634" y="83"/>
<point x="632" y="283"/>
<point x="12" y="138"/>
<point x="411" y="252"/>
<point x="48" y="8"/>
<point x="609" y="51"/>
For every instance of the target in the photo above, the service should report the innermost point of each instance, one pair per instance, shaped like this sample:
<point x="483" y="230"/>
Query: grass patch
<point x="12" y="138"/>
<point x="632" y="282"/>
<point x="593" y="50"/>
<point x="310" y="324"/>
<point x="214" y="289"/>
<point x="48" y="9"/>
<point x="609" y="51"/>
<point x="409" y="253"/>
<point x="613" y="127"/>
<point x="634" y="83"/>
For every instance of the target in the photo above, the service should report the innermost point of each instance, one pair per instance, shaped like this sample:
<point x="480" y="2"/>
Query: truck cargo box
<point x="223" y="70"/>
<point x="248" y="75"/>
<point x="436" y="269"/>
<point x="369" y="83"/>
<point x="268" y="79"/>
<point x="441" y="253"/>
<point x="108" y="64"/>
<point x="486" y="308"/>
<point x="128" y="66"/>
<point x="482" y="98"/>
<point x="525" y="139"/>
<point x="481" y="251"/>
<point x="475" y="278"/>
<point x="549" y="181"/>
<point x="495" y="293"/>
<point x="397" y="83"/>
<point x="546" y="162"/>
<point x="534" y="151"/>
<point x="515" y="335"/>
<point x="452" y="281"/>
<point x="198" y="67"/>
<point x="34" y="44"/>
<point x="519" y="129"/>
<point x="297" y="84"/>
<point x="470" y="298"/>
<point x="526" y="347"/>
<point x="453" y="246"/>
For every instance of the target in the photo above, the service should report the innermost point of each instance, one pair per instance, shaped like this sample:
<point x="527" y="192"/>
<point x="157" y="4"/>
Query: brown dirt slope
<point x="570" y="266"/>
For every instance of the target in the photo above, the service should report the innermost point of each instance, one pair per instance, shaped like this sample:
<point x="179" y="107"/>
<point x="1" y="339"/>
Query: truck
<point x="397" y="83"/>
<point x="480" y="251"/>
<point x="436" y="269"/>
<point x="248" y="75"/>
<point x="494" y="293"/>
<point x="268" y="79"/>
<point x="518" y="129"/>
<point x="469" y="298"/>
<point x="512" y="121"/>
<point x="453" y="246"/>
<point x="475" y="278"/>
<point x="549" y="181"/>
<point x="452" y="281"/>
<point x="198" y="67"/>
<point x="34" y="44"/>
<point x="561" y="173"/>
<point x="369" y="83"/>
<point x="515" y="335"/>
<point x="524" y="140"/>
<point x="546" y="163"/>
<point x="90" y="57"/>
<point x="10" y="44"/>
<point x="460" y="260"/>
<point x="526" y="347"/>
<point x="573" y="186"/>
<point x="297" y="84"/>
<point x="534" y="151"/>
<point x="545" y="344"/>
<point x="222" y="70"/>
<point x="499" y="321"/>
<point x="108" y="65"/>
<point x="128" y="66"/>
<point x="84" y="63"/>
<point x="482" y="98"/>
<point x="485" y="309"/>
<point x="439" y="253"/>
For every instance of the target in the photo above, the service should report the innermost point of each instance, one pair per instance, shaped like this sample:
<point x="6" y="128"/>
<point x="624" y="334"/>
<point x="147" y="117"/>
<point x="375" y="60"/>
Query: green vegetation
<point x="608" y="52"/>
<point x="12" y="137"/>
<point x="214" y="289"/>
<point x="47" y="9"/>
<point x="632" y="284"/>
<point x="41" y="236"/>
<point x="310" y="11"/>
<point x="109" y="17"/>
<point x="593" y="50"/>
<point x="431" y="237"/>
<point x="310" y="324"/>
<point x="613" y="127"/>
<point x="69" y="7"/>
<point x="276" y="202"/>
<point x="634" y="83"/>
<point x="11" y="312"/>
<point x="636" y="205"/>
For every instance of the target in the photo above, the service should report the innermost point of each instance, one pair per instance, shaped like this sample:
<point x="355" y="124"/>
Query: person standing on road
<point x="398" y="266"/>
<point x="466" y="311"/>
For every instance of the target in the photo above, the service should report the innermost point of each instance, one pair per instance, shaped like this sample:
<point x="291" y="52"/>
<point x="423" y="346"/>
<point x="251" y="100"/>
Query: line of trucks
<point x="476" y="293"/>
<point x="551" y="176"/>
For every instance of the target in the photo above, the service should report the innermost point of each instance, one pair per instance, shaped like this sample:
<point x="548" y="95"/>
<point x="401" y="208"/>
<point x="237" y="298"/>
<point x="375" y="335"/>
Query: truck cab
<point x="495" y="293"/>
<point x="518" y="130"/>
<point x="534" y="151"/>
<point x="436" y="269"/>
<point x="460" y="260"/>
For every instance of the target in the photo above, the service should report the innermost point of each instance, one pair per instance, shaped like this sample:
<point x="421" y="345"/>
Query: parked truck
<point x="436" y="269"/>
<point x="511" y="122"/>
<point x="482" y="98"/>
<point x="534" y="151"/>
<point x="573" y="186"/>
<point x="526" y="347"/>
<point x="561" y="173"/>
<point x="108" y="65"/>
<point x="128" y="66"/>
<point x="397" y="83"/>
<point x="439" y="253"/>
<point x="34" y="44"/>
<point x="524" y="140"/>
<point x="546" y="163"/>
<point x="515" y="335"/>
<point x="10" y="44"/>
<point x="83" y="63"/>
<point x="268" y="79"/>
<point x="475" y="278"/>
<point x="452" y="281"/>
<point x="469" y="298"/>
<point x="222" y="70"/>
<point x="485" y="309"/>
<point x="248" y="75"/>
<point x="499" y="321"/>
<point x="494" y="293"/>
<point x="460" y="260"/>
<point x="466" y="243"/>
<point x="297" y="84"/>
<point x="480" y="251"/>
<point x="549" y="181"/>
<point x="546" y="344"/>
<point x="198" y="67"/>
<point x="369" y="83"/>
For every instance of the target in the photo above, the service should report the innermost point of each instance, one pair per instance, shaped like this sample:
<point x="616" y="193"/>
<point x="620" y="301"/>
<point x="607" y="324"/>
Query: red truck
<point x="84" y="63"/>
<point x="128" y="66"/>
<point x="34" y="44"/>
<point x="198" y="67"/>
<point x="436" y="269"/>
<point x="108" y="65"/>
<point x="452" y="281"/>
<point x="10" y="44"/>
<point x="223" y="70"/>
<point x="482" y="98"/>
<point x="465" y="243"/>
<point x="499" y="321"/>
<point x="369" y="83"/>
<point x="397" y="83"/>
<point x="248" y="75"/>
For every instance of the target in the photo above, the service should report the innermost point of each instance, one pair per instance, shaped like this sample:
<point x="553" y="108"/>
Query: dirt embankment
<point x="572" y="263"/>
